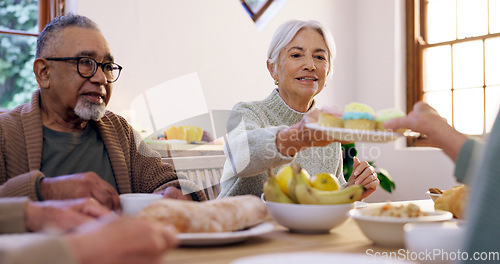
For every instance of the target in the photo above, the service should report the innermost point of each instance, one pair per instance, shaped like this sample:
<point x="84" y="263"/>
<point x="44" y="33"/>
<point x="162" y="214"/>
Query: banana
<point x="306" y="194"/>
<point x="292" y="184"/>
<point x="273" y="192"/>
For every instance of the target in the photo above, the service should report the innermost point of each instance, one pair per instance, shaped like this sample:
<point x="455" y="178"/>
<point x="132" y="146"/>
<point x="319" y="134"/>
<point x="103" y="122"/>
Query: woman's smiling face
<point x="302" y="69"/>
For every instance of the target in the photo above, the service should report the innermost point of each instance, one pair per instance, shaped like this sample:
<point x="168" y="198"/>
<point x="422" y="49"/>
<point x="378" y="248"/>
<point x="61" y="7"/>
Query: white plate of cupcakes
<point x="358" y="123"/>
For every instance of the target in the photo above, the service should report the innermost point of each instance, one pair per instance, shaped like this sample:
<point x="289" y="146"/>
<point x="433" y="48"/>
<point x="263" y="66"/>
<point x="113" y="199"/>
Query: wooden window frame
<point x="414" y="76"/>
<point x="47" y="10"/>
<point x="415" y="45"/>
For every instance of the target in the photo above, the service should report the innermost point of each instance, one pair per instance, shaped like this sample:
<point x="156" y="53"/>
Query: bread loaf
<point x="222" y="215"/>
<point x="453" y="200"/>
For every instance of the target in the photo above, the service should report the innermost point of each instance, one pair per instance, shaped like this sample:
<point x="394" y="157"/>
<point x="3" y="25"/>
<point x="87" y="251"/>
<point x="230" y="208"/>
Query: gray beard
<point x="89" y="111"/>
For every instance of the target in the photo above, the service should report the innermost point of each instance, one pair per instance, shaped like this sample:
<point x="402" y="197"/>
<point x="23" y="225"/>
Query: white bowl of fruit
<point x="307" y="204"/>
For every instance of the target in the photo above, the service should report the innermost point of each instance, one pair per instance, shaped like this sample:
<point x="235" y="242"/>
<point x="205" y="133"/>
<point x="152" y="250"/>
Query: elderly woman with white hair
<point x="272" y="133"/>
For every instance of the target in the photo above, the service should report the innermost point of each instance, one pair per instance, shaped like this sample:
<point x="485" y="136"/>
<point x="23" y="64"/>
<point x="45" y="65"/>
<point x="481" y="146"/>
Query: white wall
<point x="160" y="40"/>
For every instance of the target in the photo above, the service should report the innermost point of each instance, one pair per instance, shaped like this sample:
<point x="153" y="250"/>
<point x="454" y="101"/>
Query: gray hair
<point x="287" y="31"/>
<point x="56" y="25"/>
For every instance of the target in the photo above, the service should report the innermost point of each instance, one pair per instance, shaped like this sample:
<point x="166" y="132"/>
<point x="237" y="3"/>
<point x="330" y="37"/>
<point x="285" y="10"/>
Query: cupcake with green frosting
<point x="359" y="116"/>
<point x="388" y="114"/>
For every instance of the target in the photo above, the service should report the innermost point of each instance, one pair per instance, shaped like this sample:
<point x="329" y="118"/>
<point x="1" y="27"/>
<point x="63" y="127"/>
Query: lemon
<point x="283" y="177"/>
<point x="325" y="181"/>
<point x="175" y="132"/>
<point x="193" y="133"/>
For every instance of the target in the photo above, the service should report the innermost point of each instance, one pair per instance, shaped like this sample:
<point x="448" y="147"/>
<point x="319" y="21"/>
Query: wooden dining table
<point x="346" y="238"/>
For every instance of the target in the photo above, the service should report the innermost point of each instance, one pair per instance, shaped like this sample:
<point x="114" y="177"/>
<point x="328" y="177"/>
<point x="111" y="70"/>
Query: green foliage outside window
<point x="17" y="53"/>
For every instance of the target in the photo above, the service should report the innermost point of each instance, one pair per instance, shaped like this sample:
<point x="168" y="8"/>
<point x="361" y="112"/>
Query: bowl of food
<point x="308" y="218"/>
<point x="383" y="224"/>
<point x="132" y="203"/>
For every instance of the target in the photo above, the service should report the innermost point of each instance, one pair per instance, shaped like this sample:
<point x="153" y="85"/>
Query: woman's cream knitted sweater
<point x="251" y="147"/>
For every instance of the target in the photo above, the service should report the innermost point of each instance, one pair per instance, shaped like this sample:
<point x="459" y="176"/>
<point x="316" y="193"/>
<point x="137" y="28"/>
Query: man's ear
<point x="42" y="73"/>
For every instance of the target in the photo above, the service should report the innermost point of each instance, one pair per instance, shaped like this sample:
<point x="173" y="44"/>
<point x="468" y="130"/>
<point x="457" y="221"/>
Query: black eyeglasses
<point x="87" y="67"/>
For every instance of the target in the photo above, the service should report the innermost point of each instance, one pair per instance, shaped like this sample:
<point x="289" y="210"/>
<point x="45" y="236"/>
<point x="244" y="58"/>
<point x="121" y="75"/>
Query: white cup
<point x="439" y="240"/>
<point x="132" y="203"/>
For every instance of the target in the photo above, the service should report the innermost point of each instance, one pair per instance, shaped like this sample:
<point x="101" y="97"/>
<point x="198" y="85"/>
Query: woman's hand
<point x="298" y="137"/>
<point x="364" y="174"/>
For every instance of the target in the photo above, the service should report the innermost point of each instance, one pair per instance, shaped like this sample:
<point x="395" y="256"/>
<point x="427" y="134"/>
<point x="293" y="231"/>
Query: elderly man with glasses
<point x="64" y="143"/>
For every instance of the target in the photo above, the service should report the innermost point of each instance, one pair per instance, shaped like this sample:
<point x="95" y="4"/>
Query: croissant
<point x="453" y="200"/>
<point x="221" y="215"/>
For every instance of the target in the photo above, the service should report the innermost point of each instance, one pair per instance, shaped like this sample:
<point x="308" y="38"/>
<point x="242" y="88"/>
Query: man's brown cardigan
<point x="135" y="166"/>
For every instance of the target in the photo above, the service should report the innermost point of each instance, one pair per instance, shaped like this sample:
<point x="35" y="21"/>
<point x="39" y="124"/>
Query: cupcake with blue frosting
<point x="359" y="116"/>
